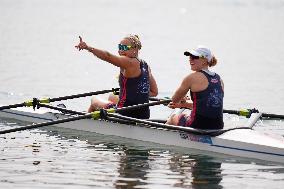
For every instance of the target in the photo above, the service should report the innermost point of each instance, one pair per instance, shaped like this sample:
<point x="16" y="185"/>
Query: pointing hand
<point x="82" y="45"/>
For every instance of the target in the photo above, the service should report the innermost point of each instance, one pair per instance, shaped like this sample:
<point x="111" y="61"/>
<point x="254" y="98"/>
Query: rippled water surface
<point x="38" y="59"/>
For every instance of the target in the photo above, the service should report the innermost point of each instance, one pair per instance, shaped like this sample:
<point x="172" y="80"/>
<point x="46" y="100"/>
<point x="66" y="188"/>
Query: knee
<point x="94" y="103"/>
<point x="170" y="120"/>
<point x="113" y="98"/>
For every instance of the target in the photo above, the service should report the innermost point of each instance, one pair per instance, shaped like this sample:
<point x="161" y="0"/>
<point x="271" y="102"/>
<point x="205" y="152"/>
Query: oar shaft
<point x="273" y="116"/>
<point x="82" y="95"/>
<point x="12" y="106"/>
<point x="63" y="110"/>
<point x="33" y="126"/>
<point x="232" y="112"/>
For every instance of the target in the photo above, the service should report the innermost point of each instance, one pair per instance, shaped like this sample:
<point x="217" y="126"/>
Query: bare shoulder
<point x="194" y="76"/>
<point x="123" y="61"/>
<point x="187" y="80"/>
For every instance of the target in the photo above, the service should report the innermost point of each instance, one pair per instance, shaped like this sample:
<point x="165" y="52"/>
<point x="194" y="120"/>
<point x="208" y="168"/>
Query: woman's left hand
<point x="82" y="45"/>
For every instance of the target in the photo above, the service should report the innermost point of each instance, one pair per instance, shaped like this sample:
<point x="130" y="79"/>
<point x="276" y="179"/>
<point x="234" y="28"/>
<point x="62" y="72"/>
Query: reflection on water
<point x="148" y="165"/>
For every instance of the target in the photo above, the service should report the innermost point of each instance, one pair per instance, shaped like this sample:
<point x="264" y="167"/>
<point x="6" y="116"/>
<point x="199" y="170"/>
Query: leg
<point x="178" y="117"/>
<point x="173" y="119"/>
<point x="113" y="98"/>
<point x="97" y="103"/>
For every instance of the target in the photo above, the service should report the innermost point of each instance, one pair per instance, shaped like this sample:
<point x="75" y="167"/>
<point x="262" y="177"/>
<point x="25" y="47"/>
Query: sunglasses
<point x="122" y="47"/>
<point x="193" y="57"/>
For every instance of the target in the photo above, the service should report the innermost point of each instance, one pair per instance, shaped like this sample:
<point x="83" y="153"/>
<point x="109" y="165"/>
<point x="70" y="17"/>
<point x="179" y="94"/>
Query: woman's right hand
<point x="187" y="105"/>
<point x="174" y="105"/>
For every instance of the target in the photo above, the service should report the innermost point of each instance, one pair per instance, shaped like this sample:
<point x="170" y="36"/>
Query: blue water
<point x="38" y="59"/>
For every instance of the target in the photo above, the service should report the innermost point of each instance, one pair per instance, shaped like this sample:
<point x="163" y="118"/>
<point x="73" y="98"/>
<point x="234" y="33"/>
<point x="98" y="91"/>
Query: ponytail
<point x="135" y="41"/>
<point x="213" y="61"/>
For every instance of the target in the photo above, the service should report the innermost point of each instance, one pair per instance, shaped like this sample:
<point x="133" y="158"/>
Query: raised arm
<point x="119" y="61"/>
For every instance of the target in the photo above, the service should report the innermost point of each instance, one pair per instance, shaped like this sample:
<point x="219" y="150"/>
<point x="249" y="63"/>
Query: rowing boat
<point x="246" y="142"/>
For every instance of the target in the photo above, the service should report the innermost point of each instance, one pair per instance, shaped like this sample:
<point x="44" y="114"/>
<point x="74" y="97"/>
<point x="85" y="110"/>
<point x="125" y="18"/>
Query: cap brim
<point x="186" y="53"/>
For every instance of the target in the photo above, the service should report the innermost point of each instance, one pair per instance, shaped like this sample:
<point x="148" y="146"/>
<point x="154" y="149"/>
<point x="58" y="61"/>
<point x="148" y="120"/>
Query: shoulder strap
<point x="206" y="74"/>
<point x="143" y="63"/>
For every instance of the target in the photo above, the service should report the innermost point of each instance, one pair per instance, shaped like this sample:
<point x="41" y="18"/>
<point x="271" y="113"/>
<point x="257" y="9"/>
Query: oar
<point x="48" y="100"/>
<point x="48" y="123"/>
<point x="174" y="127"/>
<point x="242" y="112"/>
<point x="83" y="95"/>
<point x="63" y="110"/>
<point x="95" y="115"/>
<point x="248" y="112"/>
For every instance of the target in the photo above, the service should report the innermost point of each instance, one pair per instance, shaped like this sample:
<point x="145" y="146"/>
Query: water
<point x="38" y="59"/>
<point x="59" y="158"/>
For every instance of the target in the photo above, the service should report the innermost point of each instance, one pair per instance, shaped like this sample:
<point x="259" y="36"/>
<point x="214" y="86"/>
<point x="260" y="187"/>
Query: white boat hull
<point x="240" y="142"/>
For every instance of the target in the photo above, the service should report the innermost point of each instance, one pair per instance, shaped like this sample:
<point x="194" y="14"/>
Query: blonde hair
<point x="213" y="61"/>
<point x="134" y="40"/>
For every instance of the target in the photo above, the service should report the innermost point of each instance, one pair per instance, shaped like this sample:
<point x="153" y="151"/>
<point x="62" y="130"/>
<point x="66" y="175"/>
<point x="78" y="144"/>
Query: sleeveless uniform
<point x="207" y="111"/>
<point x="135" y="91"/>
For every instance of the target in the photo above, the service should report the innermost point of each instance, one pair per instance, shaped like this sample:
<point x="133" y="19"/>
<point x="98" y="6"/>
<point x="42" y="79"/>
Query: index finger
<point x="80" y="39"/>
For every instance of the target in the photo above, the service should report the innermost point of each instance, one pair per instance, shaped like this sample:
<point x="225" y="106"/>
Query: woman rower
<point x="135" y="80"/>
<point x="206" y="90"/>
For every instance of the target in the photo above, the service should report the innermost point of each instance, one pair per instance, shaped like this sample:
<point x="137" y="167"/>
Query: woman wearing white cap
<point x="206" y="90"/>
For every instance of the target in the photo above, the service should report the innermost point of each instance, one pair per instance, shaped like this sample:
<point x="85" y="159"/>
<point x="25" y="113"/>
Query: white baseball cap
<point x="200" y="51"/>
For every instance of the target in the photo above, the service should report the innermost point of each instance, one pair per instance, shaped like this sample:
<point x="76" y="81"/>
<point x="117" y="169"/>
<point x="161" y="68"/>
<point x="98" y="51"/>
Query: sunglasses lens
<point x="123" y="47"/>
<point x="120" y="47"/>
<point x="194" y="57"/>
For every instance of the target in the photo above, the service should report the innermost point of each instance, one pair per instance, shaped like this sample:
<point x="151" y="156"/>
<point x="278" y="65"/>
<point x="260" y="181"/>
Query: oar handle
<point x="158" y="99"/>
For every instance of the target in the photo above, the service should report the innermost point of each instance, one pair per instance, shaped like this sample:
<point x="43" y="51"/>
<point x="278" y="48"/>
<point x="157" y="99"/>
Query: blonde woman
<point x="135" y="80"/>
<point x="206" y="90"/>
